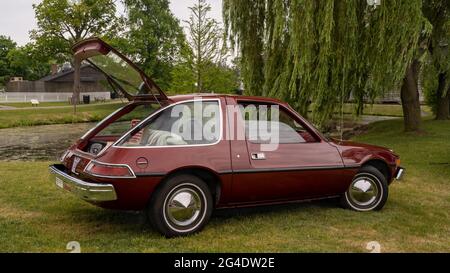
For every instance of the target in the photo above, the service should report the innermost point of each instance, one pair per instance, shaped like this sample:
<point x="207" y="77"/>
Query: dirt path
<point x="3" y="107"/>
<point x="353" y="125"/>
<point x="8" y="108"/>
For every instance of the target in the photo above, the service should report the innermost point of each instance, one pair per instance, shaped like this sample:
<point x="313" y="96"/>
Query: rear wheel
<point x="182" y="206"/>
<point x="368" y="190"/>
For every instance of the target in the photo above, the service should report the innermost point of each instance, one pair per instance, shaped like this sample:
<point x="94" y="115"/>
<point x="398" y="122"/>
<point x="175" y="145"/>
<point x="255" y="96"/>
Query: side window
<point x="262" y="121"/>
<point x="191" y="123"/>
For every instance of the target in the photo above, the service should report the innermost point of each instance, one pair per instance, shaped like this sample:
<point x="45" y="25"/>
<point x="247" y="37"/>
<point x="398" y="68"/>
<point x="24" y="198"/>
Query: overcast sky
<point x="17" y="16"/>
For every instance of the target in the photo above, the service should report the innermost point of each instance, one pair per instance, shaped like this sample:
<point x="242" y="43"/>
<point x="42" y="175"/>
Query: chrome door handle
<point x="258" y="156"/>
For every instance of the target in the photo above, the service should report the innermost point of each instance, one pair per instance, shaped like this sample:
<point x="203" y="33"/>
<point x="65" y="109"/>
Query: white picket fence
<point x="48" y="97"/>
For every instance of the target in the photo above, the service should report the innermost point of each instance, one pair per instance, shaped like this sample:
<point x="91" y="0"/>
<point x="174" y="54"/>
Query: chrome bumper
<point x="399" y="174"/>
<point x="87" y="191"/>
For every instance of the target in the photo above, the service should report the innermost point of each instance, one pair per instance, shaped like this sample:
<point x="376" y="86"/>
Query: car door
<point x="301" y="166"/>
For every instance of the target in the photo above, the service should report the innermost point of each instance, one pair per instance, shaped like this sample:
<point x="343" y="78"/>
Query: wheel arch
<point x="380" y="165"/>
<point x="210" y="177"/>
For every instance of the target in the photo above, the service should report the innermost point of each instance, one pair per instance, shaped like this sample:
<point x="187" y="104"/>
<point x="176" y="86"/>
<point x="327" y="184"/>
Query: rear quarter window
<point x="184" y="124"/>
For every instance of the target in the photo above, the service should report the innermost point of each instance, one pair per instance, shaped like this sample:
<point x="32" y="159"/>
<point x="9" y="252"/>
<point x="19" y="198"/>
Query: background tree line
<point x="313" y="54"/>
<point x="318" y="54"/>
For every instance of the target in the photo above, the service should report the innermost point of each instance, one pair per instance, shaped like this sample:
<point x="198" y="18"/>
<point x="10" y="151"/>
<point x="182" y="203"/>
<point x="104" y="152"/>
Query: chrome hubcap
<point x="183" y="207"/>
<point x="363" y="191"/>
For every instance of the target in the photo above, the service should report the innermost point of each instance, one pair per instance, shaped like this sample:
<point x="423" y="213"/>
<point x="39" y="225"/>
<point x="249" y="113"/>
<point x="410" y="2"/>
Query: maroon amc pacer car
<point x="180" y="157"/>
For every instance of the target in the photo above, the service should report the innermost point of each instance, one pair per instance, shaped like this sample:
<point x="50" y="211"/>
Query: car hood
<point x="354" y="153"/>
<point x="351" y="144"/>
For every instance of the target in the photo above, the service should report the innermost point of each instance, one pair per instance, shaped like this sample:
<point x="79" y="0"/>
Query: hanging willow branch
<point x="322" y="52"/>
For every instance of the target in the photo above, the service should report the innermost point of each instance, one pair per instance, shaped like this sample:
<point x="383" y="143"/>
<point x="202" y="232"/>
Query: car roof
<point x="180" y="98"/>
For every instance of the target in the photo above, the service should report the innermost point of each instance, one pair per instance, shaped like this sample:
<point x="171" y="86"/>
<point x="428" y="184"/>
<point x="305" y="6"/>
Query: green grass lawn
<point x="45" y="116"/>
<point x="36" y="217"/>
<point x="393" y="110"/>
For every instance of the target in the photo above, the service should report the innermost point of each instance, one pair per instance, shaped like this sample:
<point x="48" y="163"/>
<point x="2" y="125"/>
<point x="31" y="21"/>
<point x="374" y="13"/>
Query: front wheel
<point x="182" y="206"/>
<point x="368" y="191"/>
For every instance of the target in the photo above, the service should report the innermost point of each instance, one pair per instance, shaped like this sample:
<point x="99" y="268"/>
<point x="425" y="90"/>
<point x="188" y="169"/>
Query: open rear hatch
<point x="125" y="78"/>
<point x="122" y="74"/>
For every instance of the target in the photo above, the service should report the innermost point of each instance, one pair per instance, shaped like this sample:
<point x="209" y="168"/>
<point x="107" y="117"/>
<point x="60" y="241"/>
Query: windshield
<point x="123" y="74"/>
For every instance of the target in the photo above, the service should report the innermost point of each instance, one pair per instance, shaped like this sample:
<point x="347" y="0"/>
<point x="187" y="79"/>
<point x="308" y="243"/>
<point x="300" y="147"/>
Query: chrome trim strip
<point x="87" y="191"/>
<point x="400" y="173"/>
<point x="174" y="146"/>
<point x="351" y="166"/>
<point x="150" y="174"/>
<point x="109" y="164"/>
<point x="293" y="169"/>
<point x="266" y="170"/>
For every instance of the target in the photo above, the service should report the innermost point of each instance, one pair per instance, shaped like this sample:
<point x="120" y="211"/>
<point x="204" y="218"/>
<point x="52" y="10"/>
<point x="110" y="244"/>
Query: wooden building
<point x="92" y="81"/>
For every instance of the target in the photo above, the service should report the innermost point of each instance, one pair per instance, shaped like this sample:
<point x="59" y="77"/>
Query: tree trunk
<point x="199" y="81"/>
<point x="76" y="85"/>
<point x="410" y="98"/>
<point x="443" y="100"/>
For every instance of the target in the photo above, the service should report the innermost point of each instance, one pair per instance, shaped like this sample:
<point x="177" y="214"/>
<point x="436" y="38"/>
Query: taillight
<point x="99" y="169"/>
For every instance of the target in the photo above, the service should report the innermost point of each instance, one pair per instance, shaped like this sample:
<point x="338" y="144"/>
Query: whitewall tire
<point x="368" y="191"/>
<point x="181" y="206"/>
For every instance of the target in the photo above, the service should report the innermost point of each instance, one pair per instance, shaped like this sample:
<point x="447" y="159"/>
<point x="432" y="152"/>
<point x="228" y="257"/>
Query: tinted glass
<point x="122" y="73"/>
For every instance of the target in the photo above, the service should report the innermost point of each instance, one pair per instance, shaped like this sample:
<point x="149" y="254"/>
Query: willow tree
<point x="437" y="67"/>
<point x="323" y="52"/>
